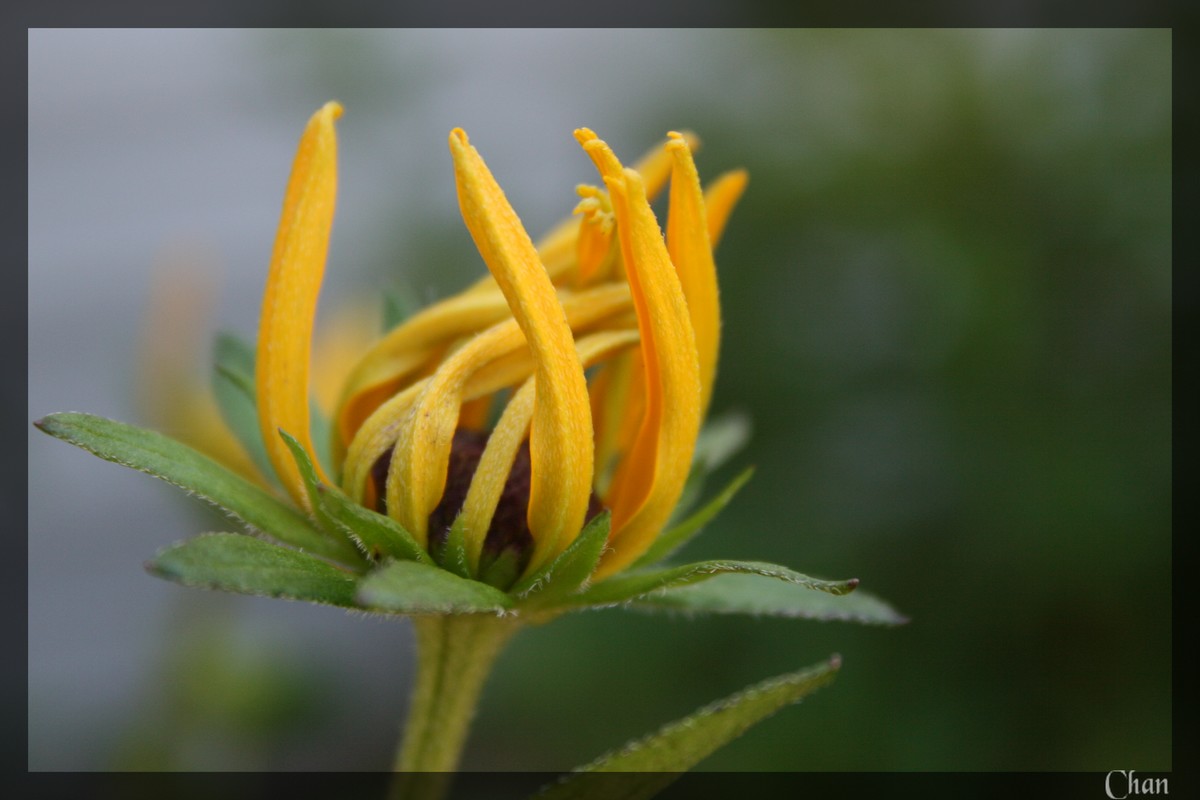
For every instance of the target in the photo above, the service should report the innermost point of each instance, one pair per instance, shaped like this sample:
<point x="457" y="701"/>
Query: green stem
<point x="454" y="657"/>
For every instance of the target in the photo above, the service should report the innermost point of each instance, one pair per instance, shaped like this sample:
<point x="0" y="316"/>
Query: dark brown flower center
<point x="508" y="535"/>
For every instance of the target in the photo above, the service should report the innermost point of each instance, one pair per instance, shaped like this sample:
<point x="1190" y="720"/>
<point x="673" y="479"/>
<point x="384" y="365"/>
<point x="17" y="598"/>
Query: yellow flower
<point x="594" y="352"/>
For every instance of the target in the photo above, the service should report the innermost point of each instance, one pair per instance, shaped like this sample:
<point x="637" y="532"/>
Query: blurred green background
<point x="946" y="301"/>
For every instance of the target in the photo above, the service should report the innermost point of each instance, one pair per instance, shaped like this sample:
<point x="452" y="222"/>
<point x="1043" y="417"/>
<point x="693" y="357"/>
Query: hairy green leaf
<point x="644" y="767"/>
<point x="234" y="562"/>
<point x="180" y="465"/>
<point x="625" y="587"/>
<point x="674" y="538"/>
<point x="406" y="587"/>
<point x="760" y="596"/>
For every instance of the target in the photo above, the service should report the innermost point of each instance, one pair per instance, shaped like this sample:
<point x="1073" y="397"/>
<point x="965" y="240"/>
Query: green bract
<point x="385" y="570"/>
<point x="347" y="555"/>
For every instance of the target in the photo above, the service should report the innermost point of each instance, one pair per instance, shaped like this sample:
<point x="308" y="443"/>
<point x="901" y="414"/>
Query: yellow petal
<point x="290" y="300"/>
<point x="623" y="413"/>
<point x="557" y="249"/>
<point x="720" y="197"/>
<point x="594" y="250"/>
<point x="404" y="351"/>
<point x="416" y="420"/>
<point x="421" y="456"/>
<point x="380" y="431"/>
<point x="660" y="458"/>
<point x="496" y="463"/>
<point x="656" y="166"/>
<point x="560" y="444"/>
<point x="691" y="252"/>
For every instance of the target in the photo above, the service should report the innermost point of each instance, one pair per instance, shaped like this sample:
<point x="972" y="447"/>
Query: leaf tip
<point x="156" y="569"/>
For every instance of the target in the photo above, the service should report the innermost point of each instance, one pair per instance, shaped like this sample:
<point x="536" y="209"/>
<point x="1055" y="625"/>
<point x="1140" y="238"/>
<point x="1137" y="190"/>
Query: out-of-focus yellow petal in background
<point x="173" y="391"/>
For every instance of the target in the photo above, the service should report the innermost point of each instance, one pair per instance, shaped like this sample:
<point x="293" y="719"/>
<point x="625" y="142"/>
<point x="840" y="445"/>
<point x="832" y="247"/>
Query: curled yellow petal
<point x="421" y="456"/>
<point x="691" y="252"/>
<point x="556" y="250"/>
<point x="660" y="458"/>
<point x="383" y="370"/>
<point x="594" y="248"/>
<point x="720" y="197"/>
<point x="560" y="441"/>
<point x="381" y="430"/>
<point x="656" y="166"/>
<point x="493" y="360"/>
<point x="496" y="463"/>
<point x="290" y="300"/>
<point x="621" y="419"/>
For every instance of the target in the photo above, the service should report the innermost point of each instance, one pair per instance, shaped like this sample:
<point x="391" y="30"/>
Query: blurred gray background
<point x="947" y="310"/>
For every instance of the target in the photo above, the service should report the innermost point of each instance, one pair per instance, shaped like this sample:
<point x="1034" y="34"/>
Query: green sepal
<point x="502" y="570"/>
<point x="759" y="596"/>
<point x="571" y="568"/>
<point x="674" y="538"/>
<point x="368" y="532"/>
<point x="630" y="586"/>
<point x="646" y="766"/>
<point x="234" y="562"/>
<point x="406" y="587"/>
<point x="311" y="483"/>
<point x="452" y="555"/>
<point x="182" y="466"/>
<point x="233" y="387"/>
<point x="375" y="535"/>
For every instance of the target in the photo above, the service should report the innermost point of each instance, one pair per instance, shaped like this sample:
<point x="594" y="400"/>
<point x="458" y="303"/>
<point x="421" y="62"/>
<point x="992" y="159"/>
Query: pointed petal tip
<point x="458" y="137"/>
<point x="835" y="661"/>
<point x="333" y="110"/>
<point x="684" y="138"/>
<point x="584" y="135"/>
<point x="737" y="177"/>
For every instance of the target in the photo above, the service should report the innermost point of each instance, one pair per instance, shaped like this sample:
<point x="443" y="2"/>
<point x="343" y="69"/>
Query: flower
<point x="477" y="444"/>
<point x="606" y="295"/>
